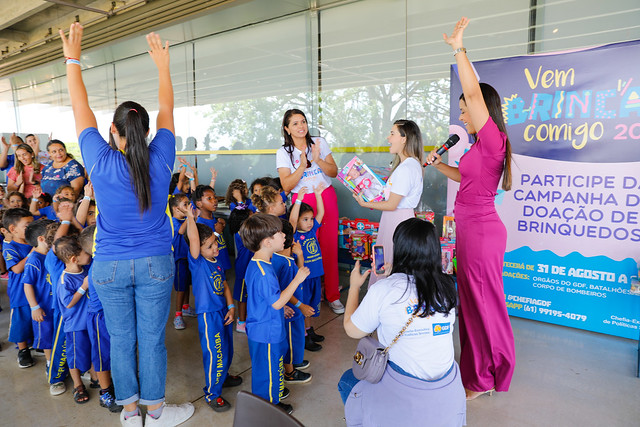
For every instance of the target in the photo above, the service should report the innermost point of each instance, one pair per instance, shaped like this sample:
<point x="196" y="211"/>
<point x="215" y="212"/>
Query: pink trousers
<point x="328" y="239"/>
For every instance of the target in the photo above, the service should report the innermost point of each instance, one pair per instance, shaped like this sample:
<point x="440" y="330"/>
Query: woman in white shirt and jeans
<point x="421" y="384"/>
<point x="404" y="187"/>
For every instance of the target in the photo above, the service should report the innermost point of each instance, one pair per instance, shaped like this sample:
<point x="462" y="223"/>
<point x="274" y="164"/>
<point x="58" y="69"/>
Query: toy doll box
<point x="346" y="226"/>
<point x="360" y="179"/>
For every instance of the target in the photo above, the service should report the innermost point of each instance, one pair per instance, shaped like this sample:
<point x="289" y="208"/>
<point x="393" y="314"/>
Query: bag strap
<point x="386" y="350"/>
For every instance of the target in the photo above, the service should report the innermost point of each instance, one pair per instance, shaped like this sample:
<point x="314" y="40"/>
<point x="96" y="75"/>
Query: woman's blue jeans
<point x="136" y="295"/>
<point x="347" y="382"/>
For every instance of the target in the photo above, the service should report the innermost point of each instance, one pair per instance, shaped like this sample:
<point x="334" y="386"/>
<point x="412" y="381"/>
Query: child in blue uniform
<point x="269" y="201"/>
<point x="237" y="195"/>
<point x="73" y="301"/>
<point x="243" y="256"/>
<point x="179" y="204"/>
<point x="15" y="254"/>
<point x="215" y="310"/>
<point x="262" y="234"/>
<point x="98" y="334"/>
<point x="286" y="268"/>
<point x="58" y="369"/>
<point x="37" y="289"/>
<point x="204" y="198"/>
<point x="306" y="228"/>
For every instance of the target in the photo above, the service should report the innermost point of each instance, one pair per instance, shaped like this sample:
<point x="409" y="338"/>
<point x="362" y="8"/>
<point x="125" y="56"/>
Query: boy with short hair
<point x="36" y="288"/>
<point x="262" y="234"/>
<point x="73" y="301"/>
<point x="286" y="268"/>
<point x="15" y="253"/>
<point x="215" y="310"/>
<point x="58" y="369"/>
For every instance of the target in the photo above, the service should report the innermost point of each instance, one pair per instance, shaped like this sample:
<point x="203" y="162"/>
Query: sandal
<point x="80" y="394"/>
<point x="94" y="384"/>
<point x="219" y="404"/>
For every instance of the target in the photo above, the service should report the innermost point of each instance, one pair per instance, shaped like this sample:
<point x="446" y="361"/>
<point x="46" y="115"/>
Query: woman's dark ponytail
<point x="132" y="123"/>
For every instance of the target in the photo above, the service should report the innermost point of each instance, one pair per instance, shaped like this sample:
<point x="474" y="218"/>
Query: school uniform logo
<point x="218" y="284"/>
<point x="441" y="328"/>
<point x="311" y="245"/>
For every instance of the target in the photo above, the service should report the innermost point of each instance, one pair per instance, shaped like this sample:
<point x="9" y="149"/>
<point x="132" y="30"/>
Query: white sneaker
<point x="337" y="307"/>
<point x="131" y="422"/>
<point x="57" y="388"/>
<point x="172" y="415"/>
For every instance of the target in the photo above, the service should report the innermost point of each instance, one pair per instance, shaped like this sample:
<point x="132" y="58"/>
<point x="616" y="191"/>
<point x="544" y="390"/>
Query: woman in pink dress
<point x="487" y="358"/>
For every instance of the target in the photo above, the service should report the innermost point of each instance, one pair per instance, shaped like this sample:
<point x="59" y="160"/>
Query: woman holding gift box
<point x="403" y="189"/>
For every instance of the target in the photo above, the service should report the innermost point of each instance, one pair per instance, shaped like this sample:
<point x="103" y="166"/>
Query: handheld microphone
<point x="453" y="139"/>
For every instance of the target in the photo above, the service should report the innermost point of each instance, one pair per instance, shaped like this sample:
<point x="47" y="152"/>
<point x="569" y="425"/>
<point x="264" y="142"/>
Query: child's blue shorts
<point x="79" y="350"/>
<point x="240" y="291"/>
<point x="182" y="278"/>
<point x="43" y="333"/>
<point x="20" y="327"/>
<point x="100" y="341"/>
<point x="312" y="288"/>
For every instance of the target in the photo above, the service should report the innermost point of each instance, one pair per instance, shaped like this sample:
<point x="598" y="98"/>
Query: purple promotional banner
<point x="573" y="214"/>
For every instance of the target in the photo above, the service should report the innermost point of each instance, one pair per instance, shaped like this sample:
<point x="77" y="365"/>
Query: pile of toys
<point x="357" y="236"/>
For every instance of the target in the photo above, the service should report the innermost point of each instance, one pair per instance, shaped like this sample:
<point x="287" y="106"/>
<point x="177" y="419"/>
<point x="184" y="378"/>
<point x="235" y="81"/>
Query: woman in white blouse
<point x="404" y="187"/>
<point x="303" y="161"/>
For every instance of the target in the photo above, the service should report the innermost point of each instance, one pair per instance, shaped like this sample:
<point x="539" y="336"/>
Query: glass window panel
<point x="563" y="25"/>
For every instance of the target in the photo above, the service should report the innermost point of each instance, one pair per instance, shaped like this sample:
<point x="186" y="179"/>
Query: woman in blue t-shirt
<point x="133" y="264"/>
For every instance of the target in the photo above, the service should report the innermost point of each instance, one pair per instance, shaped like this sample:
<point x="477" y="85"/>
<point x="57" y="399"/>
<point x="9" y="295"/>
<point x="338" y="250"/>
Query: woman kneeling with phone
<point x="421" y="383"/>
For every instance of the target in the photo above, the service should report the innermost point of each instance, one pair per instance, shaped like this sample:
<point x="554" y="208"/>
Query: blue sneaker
<point x="108" y="400"/>
<point x="189" y="312"/>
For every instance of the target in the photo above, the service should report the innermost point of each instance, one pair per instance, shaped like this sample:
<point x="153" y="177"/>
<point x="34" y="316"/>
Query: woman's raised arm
<point x="470" y="86"/>
<point x="82" y="113"/>
<point x="160" y="55"/>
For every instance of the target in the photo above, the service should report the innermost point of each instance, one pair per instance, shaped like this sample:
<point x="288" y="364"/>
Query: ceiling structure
<point x="29" y="28"/>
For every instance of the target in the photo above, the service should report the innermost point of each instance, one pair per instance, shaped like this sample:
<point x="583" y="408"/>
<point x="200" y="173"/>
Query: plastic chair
<point x="252" y="411"/>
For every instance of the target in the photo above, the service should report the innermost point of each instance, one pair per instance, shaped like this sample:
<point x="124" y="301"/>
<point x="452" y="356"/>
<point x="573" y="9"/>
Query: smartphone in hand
<point x="378" y="259"/>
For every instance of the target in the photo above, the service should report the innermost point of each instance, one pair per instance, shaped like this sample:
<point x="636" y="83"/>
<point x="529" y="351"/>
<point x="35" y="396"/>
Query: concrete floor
<point x="564" y="377"/>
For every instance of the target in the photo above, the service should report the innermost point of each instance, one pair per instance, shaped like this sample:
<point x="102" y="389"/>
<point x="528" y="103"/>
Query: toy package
<point x="360" y="245"/>
<point x="449" y="228"/>
<point x="427" y="215"/>
<point x="448" y="257"/>
<point x="357" y="236"/>
<point x="360" y="179"/>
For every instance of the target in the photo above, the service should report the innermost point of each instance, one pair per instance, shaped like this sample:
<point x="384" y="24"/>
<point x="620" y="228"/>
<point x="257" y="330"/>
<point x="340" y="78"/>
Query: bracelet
<point x="458" y="50"/>
<point x="230" y="306"/>
<point x="298" y="304"/>
<point x="35" y="199"/>
<point x="86" y="198"/>
<point x="65" y="222"/>
<point x="35" y="307"/>
<point x="81" y="291"/>
<point x="71" y="61"/>
<point x="298" y="202"/>
<point x="192" y="179"/>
